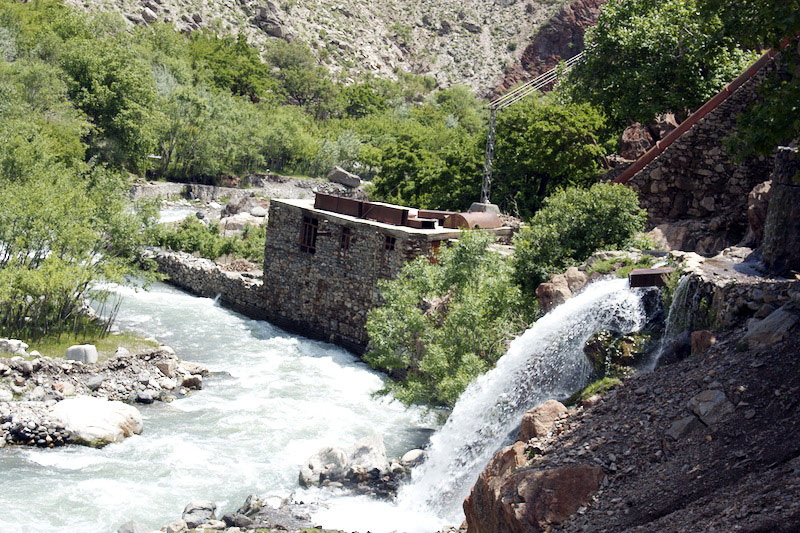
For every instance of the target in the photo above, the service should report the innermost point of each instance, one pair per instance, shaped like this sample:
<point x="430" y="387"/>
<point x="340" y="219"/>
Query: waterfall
<point x="546" y="362"/>
<point x="679" y="317"/>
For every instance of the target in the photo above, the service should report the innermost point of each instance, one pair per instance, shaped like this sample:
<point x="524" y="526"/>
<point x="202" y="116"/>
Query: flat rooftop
<point x="437" y="234"/>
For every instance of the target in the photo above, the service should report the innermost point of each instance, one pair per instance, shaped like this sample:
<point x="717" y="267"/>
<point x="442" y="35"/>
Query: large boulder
<point x="553" y="293"/>
<point x="507" y="498"/>
<point x="776" y="327"/>
<point x="635" y="141"/>
<point x="328" y="463"/>
<point x="340" y="175"/>
<point x="196" y="513"/>
<point x="368" y="454"/>
<point x="540" y="420"/>
<point x="97" y="421"/>
<point x="85" y="353"/>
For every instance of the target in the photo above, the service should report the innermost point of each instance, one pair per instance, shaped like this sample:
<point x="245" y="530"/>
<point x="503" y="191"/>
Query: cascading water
<point x="678" y="318"/>
<point x="546" y="362"/>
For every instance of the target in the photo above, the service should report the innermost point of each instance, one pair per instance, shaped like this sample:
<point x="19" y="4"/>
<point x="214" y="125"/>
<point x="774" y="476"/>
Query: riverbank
<point x="33" y="392"/>
<point x="706" y="441"/>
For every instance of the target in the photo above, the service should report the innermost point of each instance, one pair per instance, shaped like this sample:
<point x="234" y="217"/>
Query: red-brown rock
<point x="702" y="340"/>
<point x="561" y="38"/>
<point x="540" y="420"/>
<point x="553" y="293"/>
<point x="529" y="499"/>
<point x="635" y="141"/>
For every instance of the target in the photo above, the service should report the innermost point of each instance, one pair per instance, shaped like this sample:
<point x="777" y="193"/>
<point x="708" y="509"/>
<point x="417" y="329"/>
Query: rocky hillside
<point x="706" y="442"/>
<point x="469" y="41"/>
<point x="560" y="38"/>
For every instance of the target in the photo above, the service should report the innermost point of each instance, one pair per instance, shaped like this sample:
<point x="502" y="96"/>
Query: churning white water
<point x="273" y="400"/>
<point x="546" y="362"/>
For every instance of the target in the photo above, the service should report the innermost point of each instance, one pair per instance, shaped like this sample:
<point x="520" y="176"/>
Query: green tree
<point x="115" y="88"/>
<point x="233" y="65"/>
<point x="301" y="80"/>
<point x="647" y="57"/>
<point x="775" y="118"/>
<point x="571" y="225"/>
<point x="543" y="146"/>
<point x="441" y="325"/>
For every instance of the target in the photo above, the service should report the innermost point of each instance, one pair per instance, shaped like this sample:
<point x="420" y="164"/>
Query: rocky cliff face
<point x="456" y="41"/>
<point x="560" y="38"/>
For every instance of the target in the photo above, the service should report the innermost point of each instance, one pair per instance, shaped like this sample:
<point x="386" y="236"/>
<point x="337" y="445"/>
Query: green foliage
<point x="649" y="57"/>
<point x="621" y="266"/>
<point x="543" y="146"/>
<point x="232" y="64"/>
<point x="302" y="81"/>
<point x="775" y="118"/>
<point x="596" y="387"/>
<point x="113" y="86"/>
<point x="570" y="226"/>
<point x="193" y="236"/>
<point x="441" y="325"/>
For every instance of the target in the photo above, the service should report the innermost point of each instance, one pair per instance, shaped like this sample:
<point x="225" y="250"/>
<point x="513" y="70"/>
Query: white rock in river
<point x="328" y="463"/>
<point x="85" y="353"/>
<point x="6" y="396"/>
<point x="97" y="421"/>
<point x="369" y="453"/>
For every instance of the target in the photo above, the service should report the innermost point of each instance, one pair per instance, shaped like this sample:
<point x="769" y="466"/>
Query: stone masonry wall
<point x="327" y="294"/>
<point x="695" y="180"/>
<point x="242" y="292"/>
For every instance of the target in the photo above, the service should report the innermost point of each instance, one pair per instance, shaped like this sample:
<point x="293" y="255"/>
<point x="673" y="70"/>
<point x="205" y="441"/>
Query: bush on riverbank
<point x="572" y="224"/>
<point x="193" y="236"/>
<point x="442" y="325"/>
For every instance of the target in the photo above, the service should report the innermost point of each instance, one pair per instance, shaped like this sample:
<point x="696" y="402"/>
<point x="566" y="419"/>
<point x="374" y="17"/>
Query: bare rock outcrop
<point x="561" y="38"/>
<point x="506" y="499"/>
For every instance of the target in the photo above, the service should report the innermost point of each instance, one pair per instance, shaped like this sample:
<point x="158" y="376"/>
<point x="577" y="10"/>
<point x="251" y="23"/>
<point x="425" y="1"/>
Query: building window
<point x="308" y="235"/>
<point x="347" y="236"/>
<point x="388" y="243"/>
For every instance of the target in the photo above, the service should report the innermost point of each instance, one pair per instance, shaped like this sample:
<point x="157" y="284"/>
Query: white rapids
<point x="274" y="401"/>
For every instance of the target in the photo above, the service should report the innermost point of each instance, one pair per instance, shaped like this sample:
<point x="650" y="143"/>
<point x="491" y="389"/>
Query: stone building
<point x="321" y="267"/>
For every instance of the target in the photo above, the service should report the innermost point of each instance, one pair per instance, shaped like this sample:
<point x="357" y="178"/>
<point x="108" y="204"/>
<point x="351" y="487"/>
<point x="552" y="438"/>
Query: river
<point x="273" y="399"/>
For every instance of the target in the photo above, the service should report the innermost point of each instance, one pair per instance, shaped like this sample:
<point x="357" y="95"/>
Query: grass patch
<point x="56" y="347"/>
<point x="596" y="387"/>
<point x="620" y="266"/>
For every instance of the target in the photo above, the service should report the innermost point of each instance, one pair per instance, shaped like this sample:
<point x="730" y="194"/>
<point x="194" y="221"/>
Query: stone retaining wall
<point x="695" y="180"/>
<point x="725" y="291"/>
<point x="241" y="291"/>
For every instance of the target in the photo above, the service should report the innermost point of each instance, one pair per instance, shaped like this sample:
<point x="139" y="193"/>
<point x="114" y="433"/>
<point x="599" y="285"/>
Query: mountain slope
<point x="457" y="41"/>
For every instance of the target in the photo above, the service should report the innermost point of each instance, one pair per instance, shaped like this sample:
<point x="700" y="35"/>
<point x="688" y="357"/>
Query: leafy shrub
<point x="570" y="226"/>
<point x="193" y="236"/>
<point x="442" y="325"/>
